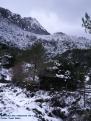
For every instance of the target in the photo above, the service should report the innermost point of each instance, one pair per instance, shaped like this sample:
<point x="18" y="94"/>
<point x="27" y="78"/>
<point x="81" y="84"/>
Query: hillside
<point x="23" y="32"/>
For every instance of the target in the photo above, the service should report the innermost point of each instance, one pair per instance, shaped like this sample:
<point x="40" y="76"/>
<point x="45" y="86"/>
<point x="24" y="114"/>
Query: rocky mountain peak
<point x="27" y="23"/>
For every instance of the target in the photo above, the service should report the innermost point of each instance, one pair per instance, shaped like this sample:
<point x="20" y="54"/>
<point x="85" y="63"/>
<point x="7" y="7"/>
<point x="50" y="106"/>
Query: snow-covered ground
<point x="16" y="104"/>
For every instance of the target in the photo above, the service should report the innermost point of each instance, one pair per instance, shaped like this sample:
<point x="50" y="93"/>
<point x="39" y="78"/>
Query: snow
<point x="6" y="73"/>
<point x="19" y="103"/>
<point x="70" y="100"/>
<point x="65" y="110"/>
<point x="56" y="43"/>
<point x="60" y="76"/>
<point x="16" y="104"/>
<point x="87" y="78"/>
<point x="34" y="23"/>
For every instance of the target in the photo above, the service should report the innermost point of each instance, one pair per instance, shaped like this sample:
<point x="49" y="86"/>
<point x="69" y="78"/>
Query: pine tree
<point x="36" y="55"/>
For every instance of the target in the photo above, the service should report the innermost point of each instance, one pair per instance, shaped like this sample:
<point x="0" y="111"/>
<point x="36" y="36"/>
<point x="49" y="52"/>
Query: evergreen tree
<point x="36" y="56"/>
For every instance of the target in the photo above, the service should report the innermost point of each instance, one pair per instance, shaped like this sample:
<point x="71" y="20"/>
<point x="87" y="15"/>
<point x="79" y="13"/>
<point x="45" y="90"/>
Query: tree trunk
<point x="84" y="96"/>
<point x="34" y="72"/>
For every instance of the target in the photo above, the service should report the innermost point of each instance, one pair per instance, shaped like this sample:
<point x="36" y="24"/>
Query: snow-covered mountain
<point x="23" y="32"/>
<point x="26" y="23"/>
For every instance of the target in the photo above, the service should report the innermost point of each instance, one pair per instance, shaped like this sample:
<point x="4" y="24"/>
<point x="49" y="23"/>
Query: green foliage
<point x="78" y="61"/>
<point x="11" y="51"/>
<point x="36" y="55"/>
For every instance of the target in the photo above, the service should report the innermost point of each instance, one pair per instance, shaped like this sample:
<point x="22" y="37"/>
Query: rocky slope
<point x="16" y="103"/>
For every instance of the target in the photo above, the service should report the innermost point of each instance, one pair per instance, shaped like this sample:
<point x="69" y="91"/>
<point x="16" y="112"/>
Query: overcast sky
<point x="54" y="15"/>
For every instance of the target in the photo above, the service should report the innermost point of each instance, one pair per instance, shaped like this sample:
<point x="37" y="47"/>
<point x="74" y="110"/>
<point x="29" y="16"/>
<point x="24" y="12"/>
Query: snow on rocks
<point x="17" y="103"/>
<point x="60" y="76"/>
<point x="14" y="103"/>
<point x="6" y="74"/>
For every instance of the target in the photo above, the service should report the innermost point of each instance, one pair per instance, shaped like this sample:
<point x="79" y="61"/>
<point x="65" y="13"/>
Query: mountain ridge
<point x="27" y="23"/>
<point x="23" y="32"/>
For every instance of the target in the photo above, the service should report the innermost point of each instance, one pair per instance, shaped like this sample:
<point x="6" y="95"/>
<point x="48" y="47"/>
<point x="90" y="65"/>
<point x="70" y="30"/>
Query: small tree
<point x="36" y="55"/>
<point x="18" y="74"/>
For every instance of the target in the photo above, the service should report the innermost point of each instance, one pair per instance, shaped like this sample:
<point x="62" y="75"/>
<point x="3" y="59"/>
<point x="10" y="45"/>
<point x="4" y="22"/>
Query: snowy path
<point x="17" y="105"/>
